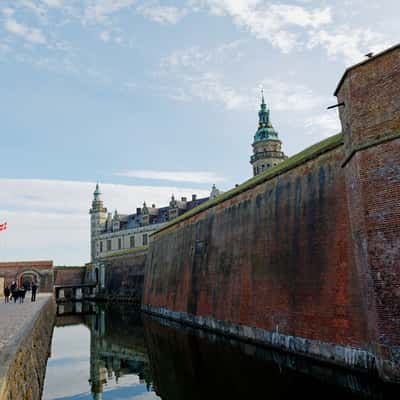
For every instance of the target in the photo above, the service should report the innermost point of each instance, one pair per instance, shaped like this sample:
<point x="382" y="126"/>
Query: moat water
<point x="115" y="352"/>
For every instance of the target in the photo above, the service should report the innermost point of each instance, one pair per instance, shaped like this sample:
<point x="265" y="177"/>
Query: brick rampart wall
<point x="69" y="275"/>
<point x="275" y="257"/>
<point x="308" y="260"/>
<point x="124" y="276"/>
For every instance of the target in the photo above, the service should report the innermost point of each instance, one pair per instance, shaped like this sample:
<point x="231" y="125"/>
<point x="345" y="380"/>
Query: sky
<point x="152" y="97"/>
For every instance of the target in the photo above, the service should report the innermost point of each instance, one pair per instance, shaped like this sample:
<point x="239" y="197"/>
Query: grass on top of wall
<point x="124" y="251"/>
<point x="292" y="162"/>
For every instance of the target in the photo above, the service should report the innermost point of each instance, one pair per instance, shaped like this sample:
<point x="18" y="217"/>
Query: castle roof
<point x="156" y="215"/>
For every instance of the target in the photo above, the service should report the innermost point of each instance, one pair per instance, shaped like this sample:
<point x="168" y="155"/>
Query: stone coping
<point x="332" y="353"/>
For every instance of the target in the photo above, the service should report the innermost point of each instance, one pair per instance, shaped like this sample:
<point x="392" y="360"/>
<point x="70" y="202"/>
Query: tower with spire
<point x="266" y="145"/>
<point x="98" y="216"/>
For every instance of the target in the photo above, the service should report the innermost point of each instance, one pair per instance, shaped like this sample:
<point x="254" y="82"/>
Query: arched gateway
<point x="27" y="277"/>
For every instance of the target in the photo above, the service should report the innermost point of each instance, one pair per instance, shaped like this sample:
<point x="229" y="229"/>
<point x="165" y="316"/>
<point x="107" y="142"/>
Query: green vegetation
<point x="125" y="251"/>
<point x="290" y="163"/>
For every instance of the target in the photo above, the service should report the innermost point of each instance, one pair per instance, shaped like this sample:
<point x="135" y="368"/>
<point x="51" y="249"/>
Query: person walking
<point x="14" y="294"/>
<point x="14" y="291"/>
<point x="21" y="294"/>
<point x="6" y="294"/>
<point x="33" y="289"/>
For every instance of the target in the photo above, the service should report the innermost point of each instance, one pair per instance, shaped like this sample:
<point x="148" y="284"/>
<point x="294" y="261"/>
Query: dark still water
<point x="114" y="352"/>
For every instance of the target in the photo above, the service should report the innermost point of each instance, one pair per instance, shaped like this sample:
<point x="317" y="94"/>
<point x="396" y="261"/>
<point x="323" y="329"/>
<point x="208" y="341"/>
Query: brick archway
<point x="30" y="274"/>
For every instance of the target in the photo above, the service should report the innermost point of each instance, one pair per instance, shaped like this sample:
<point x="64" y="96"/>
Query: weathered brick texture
<point x="69" y="275"/>
<point x="275" y="257"/>
<point x="371" y="121"/>
<point x="124" y="278"/>
<point x="312" y="253"/>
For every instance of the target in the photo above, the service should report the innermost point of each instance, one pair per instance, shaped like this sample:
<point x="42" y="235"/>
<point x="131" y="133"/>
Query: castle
<point x="112" y="233"/>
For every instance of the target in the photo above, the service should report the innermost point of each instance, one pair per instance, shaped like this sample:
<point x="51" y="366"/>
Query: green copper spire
<point x="97" y="192"/>
<point x="265" y="129"/>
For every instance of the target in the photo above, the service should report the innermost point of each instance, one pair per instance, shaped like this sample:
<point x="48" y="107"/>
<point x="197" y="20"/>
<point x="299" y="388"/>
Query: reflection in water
<point x="114" y="352"/>
<point x="98" y="353"/>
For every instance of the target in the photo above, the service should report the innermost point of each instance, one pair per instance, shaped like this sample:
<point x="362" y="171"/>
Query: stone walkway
<point x="14" y="317"/>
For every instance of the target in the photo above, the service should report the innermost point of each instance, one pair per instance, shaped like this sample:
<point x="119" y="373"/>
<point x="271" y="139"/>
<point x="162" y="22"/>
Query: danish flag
<point x="3" y="227"/>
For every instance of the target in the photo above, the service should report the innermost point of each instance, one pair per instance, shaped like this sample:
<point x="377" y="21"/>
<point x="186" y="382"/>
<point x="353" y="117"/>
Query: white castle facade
<point x="113" y="234"/>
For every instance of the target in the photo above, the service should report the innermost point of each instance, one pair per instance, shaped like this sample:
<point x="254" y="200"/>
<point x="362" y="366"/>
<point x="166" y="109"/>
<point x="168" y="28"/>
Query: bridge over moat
<point x="74" y="292"/>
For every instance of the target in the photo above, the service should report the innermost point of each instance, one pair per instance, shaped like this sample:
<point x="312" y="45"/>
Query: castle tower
<point x="266" y="146"/>
<point x="98" y="216"/>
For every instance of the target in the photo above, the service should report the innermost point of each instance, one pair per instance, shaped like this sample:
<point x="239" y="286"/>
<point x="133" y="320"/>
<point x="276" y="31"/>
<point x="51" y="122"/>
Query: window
<point x="108" y="245"/>
<point x="145" y="239"/>
<point x="101" y="246"/>
<point x="132" y="241"/>
<point x="119" y="243"/>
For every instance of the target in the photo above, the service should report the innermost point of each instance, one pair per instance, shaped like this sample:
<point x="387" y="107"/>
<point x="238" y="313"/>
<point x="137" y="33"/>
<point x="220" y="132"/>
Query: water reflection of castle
<point x="113" y="355"/>
<point x="110" y="361"/>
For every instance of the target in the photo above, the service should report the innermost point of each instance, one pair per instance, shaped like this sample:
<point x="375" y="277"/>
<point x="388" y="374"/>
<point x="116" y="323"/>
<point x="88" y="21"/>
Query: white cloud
<point x="290" y="27"/>
<point x="100" y="10"/>
<point x="33" y="35"/>
<point x="8" y="12"/>
<point x="210" y="87"/>
<point x="48" y="219"/>
<point x="54" y="3"/>
<point x="70" y="197"/>
<point x="192" y="74"/>
<point x="196" y="58"/>
<point x="162" y="14"/>
<point x="175" y="176"/>
<point x="269" y="21"/>
<point x="32" y="6"/>
<point x="105" y="36"/>
<point x="290" y="97"/>
<point x="43" y="235"/>
<point x="348" y="43"/>
<point x="323" y="125"/>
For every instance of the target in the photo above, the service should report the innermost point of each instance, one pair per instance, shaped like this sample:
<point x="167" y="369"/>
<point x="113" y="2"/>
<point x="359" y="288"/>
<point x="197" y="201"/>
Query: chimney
<point x="138" y="211"/>
<point x="194" y="197"/>
<point x="153" y="206"/>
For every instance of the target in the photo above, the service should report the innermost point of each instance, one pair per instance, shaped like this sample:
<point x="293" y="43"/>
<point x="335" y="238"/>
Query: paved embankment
<point x="25" y="337"/>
